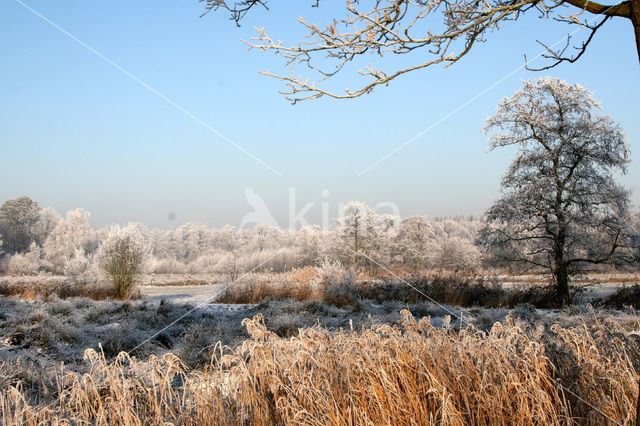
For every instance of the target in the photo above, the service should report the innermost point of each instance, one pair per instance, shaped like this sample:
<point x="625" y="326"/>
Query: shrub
<point x="462" y="291"/>
<point x="18" y="264"/>
<point x="26" y="264"/>
<point x="80" y="270"/>
<point x="450" y="290"/>
<point x="123" y="256"/>
<point x="342" y="291"/>
<point x="46" y="288"/>
<point x="329" y="271"/>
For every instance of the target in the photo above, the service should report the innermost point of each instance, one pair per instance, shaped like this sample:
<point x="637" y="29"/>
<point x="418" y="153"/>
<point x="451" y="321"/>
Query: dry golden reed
<point x="410" y="374"/>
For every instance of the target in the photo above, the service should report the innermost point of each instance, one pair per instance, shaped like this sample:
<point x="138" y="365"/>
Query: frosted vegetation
<point x="380" y="319"/>
<point x="375" y="245"/>
<point x="296" y="362"/>
<point x="361" y="239"/>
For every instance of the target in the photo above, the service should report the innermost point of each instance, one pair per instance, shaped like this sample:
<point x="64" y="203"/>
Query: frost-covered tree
<point x="378" y="241"/>
<point x="232" y="263"/>
<point x="636" y="238"/>
<point x="561" y="208"/>
<point x="363" y="237"/>
<point x="462" y="227"/>
<point x="123" y="257"/>
<point x="414" y="241"/>
<point x="308" y="244"/>
<point x="19" y="224"/>
<point x="72" y="233"/>
<point x="191" y="240"/>
<point x="351" y="229"/>
<point x="455" y="254"/>
<point x="47" y="222"/>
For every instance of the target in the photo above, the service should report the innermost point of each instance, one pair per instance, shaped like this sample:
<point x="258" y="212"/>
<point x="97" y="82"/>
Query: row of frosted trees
<point x="38" y="240"/>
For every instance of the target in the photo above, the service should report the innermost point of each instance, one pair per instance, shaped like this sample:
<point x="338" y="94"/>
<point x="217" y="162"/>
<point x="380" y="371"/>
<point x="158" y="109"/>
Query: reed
<point x="409" y="374"/>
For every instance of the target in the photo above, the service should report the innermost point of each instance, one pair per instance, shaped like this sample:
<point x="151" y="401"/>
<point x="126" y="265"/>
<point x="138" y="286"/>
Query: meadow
<point x="321" y="345"/>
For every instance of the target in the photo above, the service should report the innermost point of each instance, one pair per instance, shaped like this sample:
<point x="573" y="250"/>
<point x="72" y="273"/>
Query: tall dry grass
<point x="46" y="288"/>
<point x="411" y="374"/>
<point x="255" y="288"/>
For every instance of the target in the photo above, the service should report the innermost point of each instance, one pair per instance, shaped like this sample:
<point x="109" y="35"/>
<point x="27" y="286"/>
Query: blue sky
<point x="77" y="132"/>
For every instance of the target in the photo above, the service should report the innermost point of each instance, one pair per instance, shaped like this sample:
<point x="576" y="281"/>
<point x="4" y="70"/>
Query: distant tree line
<point x="361" y="238"/>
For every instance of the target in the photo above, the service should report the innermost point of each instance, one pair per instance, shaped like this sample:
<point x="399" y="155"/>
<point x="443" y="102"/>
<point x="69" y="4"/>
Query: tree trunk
<point x="635" y="20"/>
<point x="562" y="284"/>
<point x="560" y="271"/>
<point x="355" y="248"/>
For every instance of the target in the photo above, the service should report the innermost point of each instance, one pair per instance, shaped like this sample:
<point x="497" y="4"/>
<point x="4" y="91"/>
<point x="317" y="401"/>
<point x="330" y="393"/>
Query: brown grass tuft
<point x="253" y="289"/>
<point x="48" y="288"/>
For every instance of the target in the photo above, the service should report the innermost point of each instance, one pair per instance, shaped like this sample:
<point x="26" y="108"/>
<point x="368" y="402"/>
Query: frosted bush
<point x="205" y="264"/>
<point x="26" y="264"/>
<point x="274" y="259"/>
<point x="344" y="292"/>
<point x="231" y="265"/>
<point x="123" y="257"/>
<point x="19" y="265"/>
<point x="80" y="269"/>
<point x="329" y="271"/>
<point x="337" y="285"/>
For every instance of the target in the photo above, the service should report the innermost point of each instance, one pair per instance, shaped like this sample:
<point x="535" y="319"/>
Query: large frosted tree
<point x="561" y="208"/>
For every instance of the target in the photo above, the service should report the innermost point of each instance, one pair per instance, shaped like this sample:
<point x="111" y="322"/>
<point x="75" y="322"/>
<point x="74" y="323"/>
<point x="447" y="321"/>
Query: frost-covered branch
<point x="437" y="31"/>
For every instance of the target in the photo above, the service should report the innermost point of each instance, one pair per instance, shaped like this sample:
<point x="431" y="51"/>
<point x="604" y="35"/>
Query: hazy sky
<point x="75" y="131"/>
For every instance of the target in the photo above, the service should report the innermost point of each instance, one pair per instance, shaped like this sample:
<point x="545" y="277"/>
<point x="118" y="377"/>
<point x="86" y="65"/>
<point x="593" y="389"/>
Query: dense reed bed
<point x="413" y="373"/>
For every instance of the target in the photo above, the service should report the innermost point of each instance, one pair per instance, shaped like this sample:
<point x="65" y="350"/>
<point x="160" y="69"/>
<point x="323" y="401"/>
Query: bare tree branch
<point x="558" y="56"/>
<point x="402" y="27"/>
<point x="238" y="10"/>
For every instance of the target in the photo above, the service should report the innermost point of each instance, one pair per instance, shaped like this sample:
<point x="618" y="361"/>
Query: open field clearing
<point x="183" y="293"/>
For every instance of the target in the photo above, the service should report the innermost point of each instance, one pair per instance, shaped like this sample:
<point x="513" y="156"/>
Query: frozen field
<point x="181" y="293"/>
